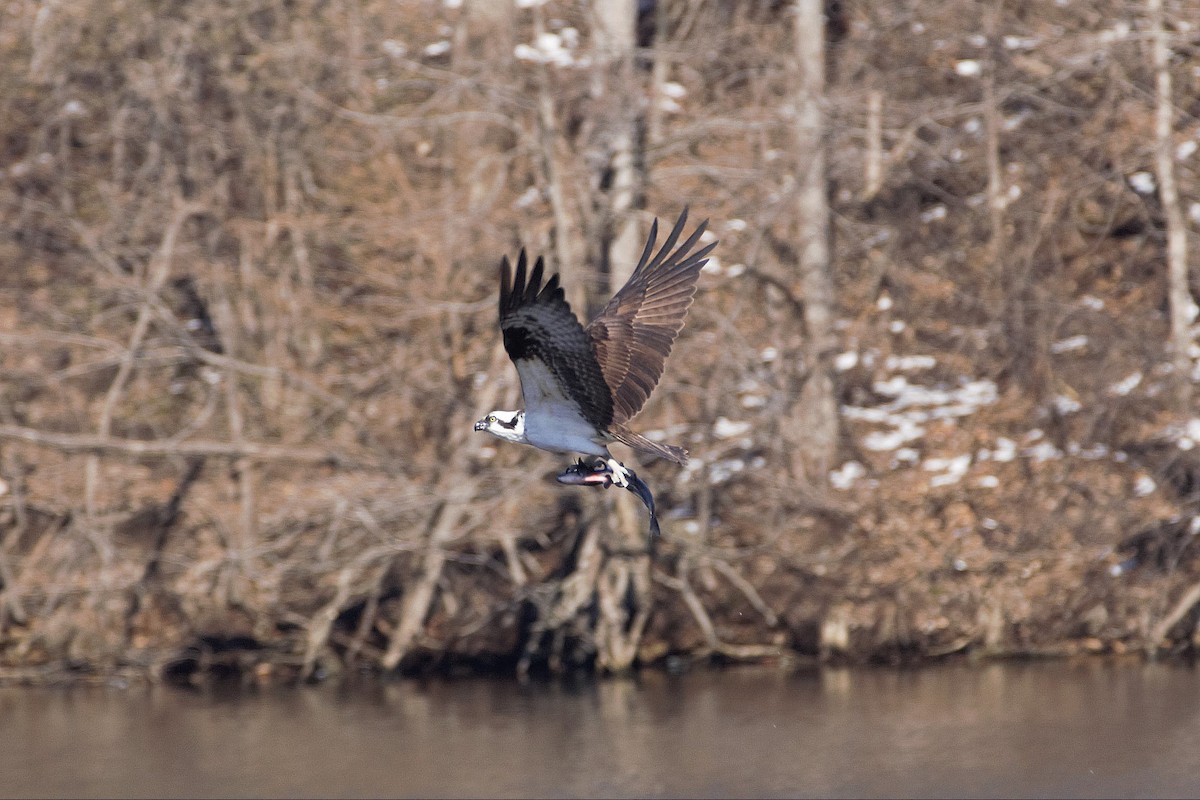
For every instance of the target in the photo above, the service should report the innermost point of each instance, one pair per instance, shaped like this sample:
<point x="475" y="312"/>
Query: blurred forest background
<point x="938" y="383"/>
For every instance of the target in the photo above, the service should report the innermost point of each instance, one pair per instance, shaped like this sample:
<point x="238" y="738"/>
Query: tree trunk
<point x="620" y="624"/>
<point x="815" y="423"/>
<point x="617" y="96"/>
<point x="1182" y="306"/>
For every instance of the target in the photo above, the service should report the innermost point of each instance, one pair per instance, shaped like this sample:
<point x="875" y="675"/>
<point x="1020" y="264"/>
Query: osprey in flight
<point x="581" y="386"/>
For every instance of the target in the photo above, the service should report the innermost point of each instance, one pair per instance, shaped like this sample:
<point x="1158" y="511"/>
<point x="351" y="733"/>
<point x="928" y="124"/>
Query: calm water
<point x="1043" y="729"/>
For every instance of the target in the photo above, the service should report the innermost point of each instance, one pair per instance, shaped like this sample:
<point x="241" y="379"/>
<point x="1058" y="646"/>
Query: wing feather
<point x="537" y="324"/>
<point x="633" y="335"/>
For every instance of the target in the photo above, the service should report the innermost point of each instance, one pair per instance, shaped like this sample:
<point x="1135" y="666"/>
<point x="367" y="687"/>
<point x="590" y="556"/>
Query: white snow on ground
<point x="844" y="476"/>
<point x="556" y="49"/>
<point x="1126" y="385"/>
<point x="1069" y="344"/>
<point x="910" y="362"/>
<point x="951" y="470"/>
<point x="968" y="68"/>
<point x="1143" y="183"/>
<point x="725" y="428"/>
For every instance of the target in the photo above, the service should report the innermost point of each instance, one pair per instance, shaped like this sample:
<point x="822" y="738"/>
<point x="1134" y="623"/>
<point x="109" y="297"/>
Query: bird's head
<point x="508" y="425"/>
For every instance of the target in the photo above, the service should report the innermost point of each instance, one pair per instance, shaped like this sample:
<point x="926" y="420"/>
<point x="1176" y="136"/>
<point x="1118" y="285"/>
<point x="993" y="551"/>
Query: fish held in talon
<point x="581" y="474"/>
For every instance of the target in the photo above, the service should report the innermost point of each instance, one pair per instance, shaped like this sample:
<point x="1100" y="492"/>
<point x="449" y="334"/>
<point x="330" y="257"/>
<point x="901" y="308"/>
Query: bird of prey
<point x="583" y="385"/>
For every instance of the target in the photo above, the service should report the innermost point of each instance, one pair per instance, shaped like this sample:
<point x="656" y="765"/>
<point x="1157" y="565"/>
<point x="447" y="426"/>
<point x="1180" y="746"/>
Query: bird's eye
<point x="492" y="418"/>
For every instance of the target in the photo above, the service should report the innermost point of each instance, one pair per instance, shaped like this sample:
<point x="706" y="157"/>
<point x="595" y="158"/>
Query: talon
<point x="620" y="473"/>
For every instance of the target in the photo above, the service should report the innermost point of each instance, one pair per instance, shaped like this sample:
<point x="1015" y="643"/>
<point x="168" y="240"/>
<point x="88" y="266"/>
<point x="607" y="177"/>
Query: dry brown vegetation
<point x="247" y="280"/>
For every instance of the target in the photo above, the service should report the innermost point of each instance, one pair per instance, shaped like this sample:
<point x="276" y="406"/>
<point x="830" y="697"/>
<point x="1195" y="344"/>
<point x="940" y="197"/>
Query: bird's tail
<point x="644" y="445"/>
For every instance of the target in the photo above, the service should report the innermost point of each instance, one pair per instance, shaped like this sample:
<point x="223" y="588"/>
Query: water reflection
<point x="1043" y="729"/>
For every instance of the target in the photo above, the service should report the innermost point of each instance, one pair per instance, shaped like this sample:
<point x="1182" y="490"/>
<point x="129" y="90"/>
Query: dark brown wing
<point x="634" y="333"/>
<point x="541" y="334"/>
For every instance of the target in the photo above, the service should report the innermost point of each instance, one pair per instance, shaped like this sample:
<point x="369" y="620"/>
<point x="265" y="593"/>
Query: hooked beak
<point x="481" y="425"/>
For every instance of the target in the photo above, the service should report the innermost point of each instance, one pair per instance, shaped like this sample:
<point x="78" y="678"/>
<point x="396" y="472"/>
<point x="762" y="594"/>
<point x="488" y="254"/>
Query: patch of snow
<point x="968" y="68"/>
<point x="987" y="482"/>
<point x="1044" y="451"/>
<point x="768" y="355"/>
<point x="845" y="361"/>
<point x="676" y="91"/>
<point x="884" y="302"/>
<point x="549" y="48"/>
<point x="437" y="48"/>
<point x="725" y="428"/>
<point x="897" y="326"/>
<point x="1066" y="405"/>
<point x="906" y="430"/>
<point x="1144" y="485"/>
<point x="913" y="404"/>
<point x="724" y="470"/>
<point x="1117" y="32"/>
<point x="1019" y="42"/>
<point x="952" y="469"/>
<point x="1143" y="182"/>
<point x="1126" y="385"/>
<point x="1094" y="303"/>
<point x="1069" y="344"/>
<point x="530" y="196"/>
<point x="844" y="476"/>
<point x="669" y="105"/>
<point x="910" y="362"/>
<point x="1094" y="452"/>
<point x="1005" y="450"/>
<point x="933" y="214"/>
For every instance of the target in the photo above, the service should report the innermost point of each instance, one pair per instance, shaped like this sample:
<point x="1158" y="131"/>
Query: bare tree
<point x="815" y="410"/>
<point x="616" y="87"/>
<point x="1182" y="305"/>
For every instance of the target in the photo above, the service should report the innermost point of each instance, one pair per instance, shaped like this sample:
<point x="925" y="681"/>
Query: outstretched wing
<point x="549" y="347"/>
<point x="633" y="335"/>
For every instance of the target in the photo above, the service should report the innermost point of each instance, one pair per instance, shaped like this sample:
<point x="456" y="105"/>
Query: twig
<point x="322" y="621"/>
<point x="747" y="589"/>
<point x="1189" y="599"/>
<point x="161" y="448"/>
